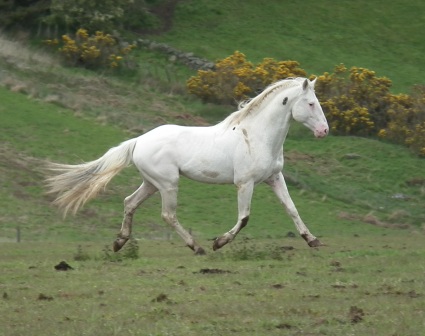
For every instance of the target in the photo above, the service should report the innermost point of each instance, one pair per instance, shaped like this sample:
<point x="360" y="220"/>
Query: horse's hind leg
<point x="130" y="205"/>
<point x="169" y="207"/>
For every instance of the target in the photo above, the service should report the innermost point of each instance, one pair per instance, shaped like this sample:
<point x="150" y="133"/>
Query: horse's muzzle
<point x="321" y="131"/>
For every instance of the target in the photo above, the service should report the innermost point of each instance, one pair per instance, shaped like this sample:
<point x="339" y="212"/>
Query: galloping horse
<point x="244" y="149"/>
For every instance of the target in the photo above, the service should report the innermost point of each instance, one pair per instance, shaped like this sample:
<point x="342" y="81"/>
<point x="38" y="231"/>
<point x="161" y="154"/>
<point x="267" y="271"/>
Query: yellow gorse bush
<point x="354" y="100"/>
<point x="406" y="120"/>
<point x="92" y="51"/>
<point x="235" y="79"/>
<point x="357" y="102"/>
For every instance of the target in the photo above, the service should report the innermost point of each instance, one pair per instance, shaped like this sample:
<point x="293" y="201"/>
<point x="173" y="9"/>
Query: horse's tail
<point x="74" y="185"/>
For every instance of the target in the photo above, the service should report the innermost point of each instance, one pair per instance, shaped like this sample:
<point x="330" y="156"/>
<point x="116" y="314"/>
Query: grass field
<point x="369" y="279"/>
<point x="363" y="198"/>
<point x="358" y="285"/>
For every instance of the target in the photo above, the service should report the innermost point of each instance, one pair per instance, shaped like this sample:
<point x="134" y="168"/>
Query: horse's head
<point x="307" y="110"/>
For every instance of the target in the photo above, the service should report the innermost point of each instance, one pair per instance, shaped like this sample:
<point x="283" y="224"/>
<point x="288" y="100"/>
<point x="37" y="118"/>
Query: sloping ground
<point x="136" y="105"/>
<point x="334" y="180"/>
<point x="69" y="116"/>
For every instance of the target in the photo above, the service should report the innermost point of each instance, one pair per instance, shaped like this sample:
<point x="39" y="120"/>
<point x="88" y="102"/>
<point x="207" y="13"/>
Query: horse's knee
<point x="165" y="217"/>
<point x="169" y="218"/>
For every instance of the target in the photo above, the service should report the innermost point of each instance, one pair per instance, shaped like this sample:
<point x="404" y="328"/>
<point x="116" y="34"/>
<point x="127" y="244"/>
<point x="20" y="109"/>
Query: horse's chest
<point x="257" y="165"/>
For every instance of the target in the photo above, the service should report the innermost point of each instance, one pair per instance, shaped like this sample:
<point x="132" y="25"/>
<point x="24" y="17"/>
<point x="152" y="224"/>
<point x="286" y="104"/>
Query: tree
<point x="99" y="15"/>
<point x="22" y="13"/>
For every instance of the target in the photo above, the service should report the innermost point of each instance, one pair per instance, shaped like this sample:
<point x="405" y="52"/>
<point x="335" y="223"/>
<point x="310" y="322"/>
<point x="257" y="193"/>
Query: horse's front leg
<point x="245" y="191"/>
<point x="277" y="183"/>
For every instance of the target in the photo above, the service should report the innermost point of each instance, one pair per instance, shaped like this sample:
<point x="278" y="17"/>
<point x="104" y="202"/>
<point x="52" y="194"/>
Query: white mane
<point x="252" y="105"/>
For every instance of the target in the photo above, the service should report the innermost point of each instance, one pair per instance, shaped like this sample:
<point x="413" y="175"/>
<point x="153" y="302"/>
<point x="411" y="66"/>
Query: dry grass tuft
<point x="21" y="162"/>
<point x="21" y="56"/>
<point x="21" y="88"/>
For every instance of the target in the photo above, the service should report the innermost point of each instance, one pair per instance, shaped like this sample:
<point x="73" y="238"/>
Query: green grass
<point x="367" y="280"/>
<point x="318" y="34"/>
<point x="356" y="286"/>
<point x="45" y="130"/>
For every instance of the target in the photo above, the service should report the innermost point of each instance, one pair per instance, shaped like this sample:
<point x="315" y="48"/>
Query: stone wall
<point x="174" y="55"/>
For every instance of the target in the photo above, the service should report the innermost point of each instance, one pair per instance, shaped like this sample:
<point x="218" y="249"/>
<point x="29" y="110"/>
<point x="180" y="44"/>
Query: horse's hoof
<point x="200" y="251"/>
<point x="119" y="243"/>
<point x="315" y="243"/>
<point x="312" y="243"/>
<point x="220" y="242"/>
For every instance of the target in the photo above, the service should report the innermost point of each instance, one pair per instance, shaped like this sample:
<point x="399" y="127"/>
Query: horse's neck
<point x="271" y="124"/>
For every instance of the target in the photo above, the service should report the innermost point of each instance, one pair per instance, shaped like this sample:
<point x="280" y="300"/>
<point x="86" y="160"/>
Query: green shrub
<point x="22" y="14"/>
<point x="130" y="251"/>
<point x="104" y="15"/>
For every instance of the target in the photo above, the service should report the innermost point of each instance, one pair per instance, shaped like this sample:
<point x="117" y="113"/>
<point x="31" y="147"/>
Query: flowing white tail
<point x="74" y="185"/>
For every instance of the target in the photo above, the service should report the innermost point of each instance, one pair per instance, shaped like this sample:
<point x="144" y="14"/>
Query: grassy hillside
<point x="363" y="198"/>
<point x="386" y="38"/>
<point x="67" y="115"/>
<point x="331" y="190"/>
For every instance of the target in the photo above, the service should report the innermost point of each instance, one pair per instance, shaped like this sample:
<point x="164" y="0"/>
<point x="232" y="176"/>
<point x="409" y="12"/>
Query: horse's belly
<point x="208" y="168"/>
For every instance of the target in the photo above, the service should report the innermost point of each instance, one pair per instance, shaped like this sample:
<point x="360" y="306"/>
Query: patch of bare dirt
<point x="417" y="181"/>
<point x="356" y="314"/>
<point x="162" y="298"/>
<point x="371" y="219"/>
<point x="284" y="326"/>
<point x="44" y="297"/>
<point x="391" y="290"/>
<point x="298" y="156"/>
<point x="63" y="266"/>
<point x="213" y="271"/>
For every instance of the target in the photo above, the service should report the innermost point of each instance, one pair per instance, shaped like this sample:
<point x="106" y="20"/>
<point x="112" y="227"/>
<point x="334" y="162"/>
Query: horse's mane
<point x="252" y="105"/>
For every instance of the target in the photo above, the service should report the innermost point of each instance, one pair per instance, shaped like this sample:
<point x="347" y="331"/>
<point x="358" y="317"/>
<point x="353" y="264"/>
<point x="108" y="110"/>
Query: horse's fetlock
<point x="129" y="211"/>
<point x="119" y="242"/>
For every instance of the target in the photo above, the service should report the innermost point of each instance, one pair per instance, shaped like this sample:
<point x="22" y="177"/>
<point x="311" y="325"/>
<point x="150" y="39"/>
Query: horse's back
<point x="200" y="153"/>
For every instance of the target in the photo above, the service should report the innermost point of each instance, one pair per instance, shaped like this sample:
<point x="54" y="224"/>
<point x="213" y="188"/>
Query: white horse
<point x="245" y="149"/>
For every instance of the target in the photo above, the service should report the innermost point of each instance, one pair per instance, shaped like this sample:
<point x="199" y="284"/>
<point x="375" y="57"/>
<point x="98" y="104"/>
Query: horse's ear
<point x="305" y="85"/>
<point x="313" y="82"/>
